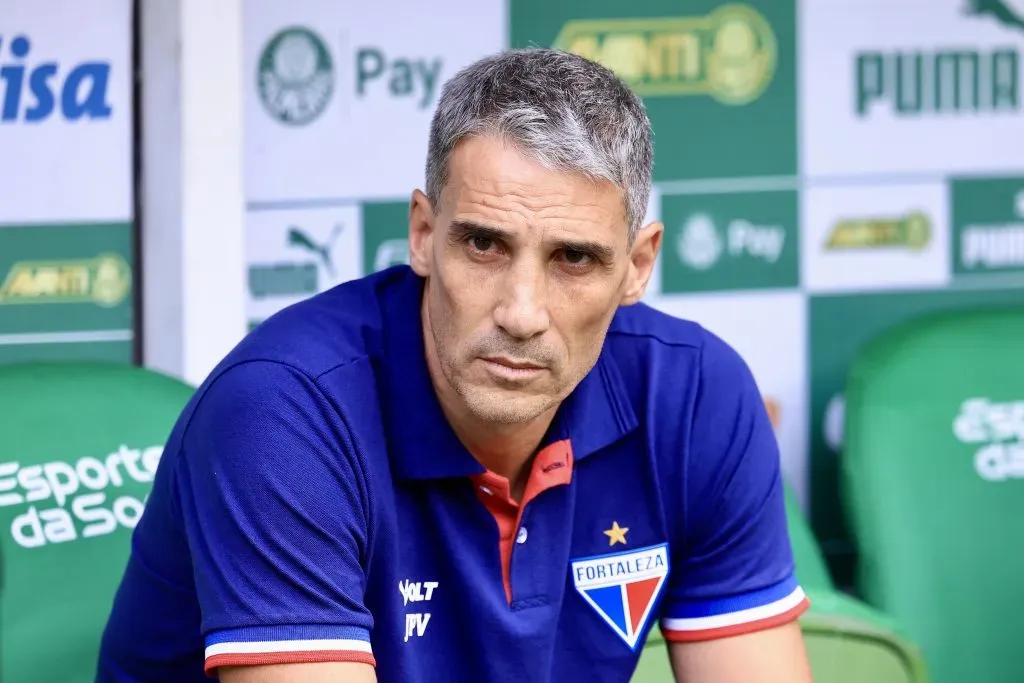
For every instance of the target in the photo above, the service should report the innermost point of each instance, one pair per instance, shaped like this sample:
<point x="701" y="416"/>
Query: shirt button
<point x="521" y="536"/>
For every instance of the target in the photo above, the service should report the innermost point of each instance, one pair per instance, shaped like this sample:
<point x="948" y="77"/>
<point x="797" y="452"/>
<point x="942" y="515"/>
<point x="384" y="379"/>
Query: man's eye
<point x="575" y="258"/>
<point x="481" y="243"/>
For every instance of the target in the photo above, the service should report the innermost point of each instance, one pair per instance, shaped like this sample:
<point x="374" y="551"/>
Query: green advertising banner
<point x="988" y="226"/>
<point x="718" y="79"/>
<point x="819" y="178"/>
<point x="67" y="194"/>
<point x="385" y="235"/>
<point x="66" y="292"/>
<point x="730" y="241"/>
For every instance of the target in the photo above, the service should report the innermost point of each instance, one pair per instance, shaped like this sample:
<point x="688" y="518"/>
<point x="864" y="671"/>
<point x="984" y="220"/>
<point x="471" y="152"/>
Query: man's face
<point x="525" y="268"/>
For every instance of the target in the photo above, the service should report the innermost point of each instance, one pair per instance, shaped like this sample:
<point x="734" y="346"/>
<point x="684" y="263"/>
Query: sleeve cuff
<point x="287" y="645"/>
<point x="735" y="615"/>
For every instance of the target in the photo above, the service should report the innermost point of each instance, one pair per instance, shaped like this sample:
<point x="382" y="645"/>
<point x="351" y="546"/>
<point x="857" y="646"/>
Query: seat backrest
<point x="933" y="480"/>
<point x="79" y="444"/>
<point x="849" y="642"/>
<point x="811" y="572"/>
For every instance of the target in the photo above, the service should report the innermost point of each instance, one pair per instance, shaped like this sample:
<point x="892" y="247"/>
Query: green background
<point x="709" y="156"/>
<point x="839" y="326"/>
<point x="740" y="271"/>
<point x="696" y="136"/>
<point x="71" y="242"/>
<point x="382" y="221"/>
<point x="984" y="202"/>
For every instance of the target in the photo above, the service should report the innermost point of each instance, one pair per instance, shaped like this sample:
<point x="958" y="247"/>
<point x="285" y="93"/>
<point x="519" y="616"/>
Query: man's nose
<point x="522" y="310"/>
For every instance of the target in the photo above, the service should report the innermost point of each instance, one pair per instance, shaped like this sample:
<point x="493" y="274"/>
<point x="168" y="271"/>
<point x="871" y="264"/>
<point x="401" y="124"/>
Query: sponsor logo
<point x="416" y="591"/>
<point x="994" y="246"/>
<point x="719" y="242"/>
<point x="32" y="90"/>
<point x="400" y="77"/>
<point x="997" y="429"/>
<point x="996" y="10"/>
<point x="322" y="252"/>
<point x="299" y="277"/>
<point x="385" y="235"/>
<point x="912" y="231"/>
<point x="67" y="501"/>
<point x="728" y="55"/>
<point x="946" y="81"/>
<point x="623" y="587"/>
<point x="701" y="244"/>
<point x="103" y="281"/>
<point x="295" y="76"/>
<point x="393" y="252"/>
<point x="988" y="226"/>
<point x="833" y="425"/>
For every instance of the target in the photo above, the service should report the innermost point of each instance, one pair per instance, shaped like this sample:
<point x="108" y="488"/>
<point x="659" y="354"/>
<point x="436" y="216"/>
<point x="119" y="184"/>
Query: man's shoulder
<point x="322" y="350"/>
<point x="665" y="340"/>
<point x="335" y="327"/>
<point x="669" y="364"/>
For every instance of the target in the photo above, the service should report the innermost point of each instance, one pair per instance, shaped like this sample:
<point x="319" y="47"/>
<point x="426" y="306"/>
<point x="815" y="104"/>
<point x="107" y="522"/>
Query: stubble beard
<point x="497" y="406"/>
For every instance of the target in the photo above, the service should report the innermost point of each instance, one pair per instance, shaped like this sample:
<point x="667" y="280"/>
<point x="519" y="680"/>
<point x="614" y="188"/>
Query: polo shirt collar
<point x="423" y="444"/>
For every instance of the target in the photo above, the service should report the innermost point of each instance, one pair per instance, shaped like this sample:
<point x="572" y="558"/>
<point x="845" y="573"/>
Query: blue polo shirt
<point x="312" y="504"/>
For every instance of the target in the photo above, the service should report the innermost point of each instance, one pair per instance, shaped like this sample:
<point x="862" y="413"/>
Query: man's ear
<point x="421" y="233"/>
<point x="641" y="261"/>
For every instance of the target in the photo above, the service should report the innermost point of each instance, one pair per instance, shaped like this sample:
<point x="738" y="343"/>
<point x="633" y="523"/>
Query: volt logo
<point x="32" y="92"/>
<point x="416" y="591"/>
<point x="415" y="625"/>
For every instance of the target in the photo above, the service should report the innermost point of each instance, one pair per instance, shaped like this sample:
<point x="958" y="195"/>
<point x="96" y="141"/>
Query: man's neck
<point x="505" y="450"/>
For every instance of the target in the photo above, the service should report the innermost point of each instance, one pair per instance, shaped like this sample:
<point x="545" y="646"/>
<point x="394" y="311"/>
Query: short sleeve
<point x="734" y="569"/>
<point x="275" y="515"/>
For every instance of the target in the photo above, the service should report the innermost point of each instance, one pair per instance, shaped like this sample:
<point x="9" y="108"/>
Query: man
<point x="496" y="465"/>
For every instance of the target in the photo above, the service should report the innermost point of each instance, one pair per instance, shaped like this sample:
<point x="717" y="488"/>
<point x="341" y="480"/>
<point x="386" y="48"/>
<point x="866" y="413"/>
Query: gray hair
<point x="565" y="111"/>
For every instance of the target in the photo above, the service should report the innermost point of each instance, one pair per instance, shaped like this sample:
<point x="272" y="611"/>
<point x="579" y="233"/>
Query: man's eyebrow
<point x="459" y="229"/>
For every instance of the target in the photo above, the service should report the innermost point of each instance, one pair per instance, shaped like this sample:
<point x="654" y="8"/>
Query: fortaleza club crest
<point x="623" y="587"/>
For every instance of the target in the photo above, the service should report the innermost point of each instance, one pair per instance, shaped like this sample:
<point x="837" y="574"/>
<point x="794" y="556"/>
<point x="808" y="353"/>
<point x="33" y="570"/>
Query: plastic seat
<point x="78" y="446"/>
<point x="933" y="482"/>
<point x="847" y="641"/>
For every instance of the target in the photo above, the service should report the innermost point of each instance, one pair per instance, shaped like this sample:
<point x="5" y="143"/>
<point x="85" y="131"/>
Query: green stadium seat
<point x="811" y="570"/>
<point x="78" y="446"/>
<point x="847" y="641"/>
<point x="850" y="642"/>
<point x="933" y="486"/>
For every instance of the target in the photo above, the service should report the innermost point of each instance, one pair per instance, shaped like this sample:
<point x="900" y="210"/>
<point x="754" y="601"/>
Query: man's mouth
<point x="513" y="363"/>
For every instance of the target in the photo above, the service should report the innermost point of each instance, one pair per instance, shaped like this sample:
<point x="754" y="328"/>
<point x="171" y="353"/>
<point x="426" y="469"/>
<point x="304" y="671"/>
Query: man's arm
<point x="774" y="655"/>
<point x="332" y="672"/>
<point x="274" y="508"/>
<point x="733" y="599"/>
